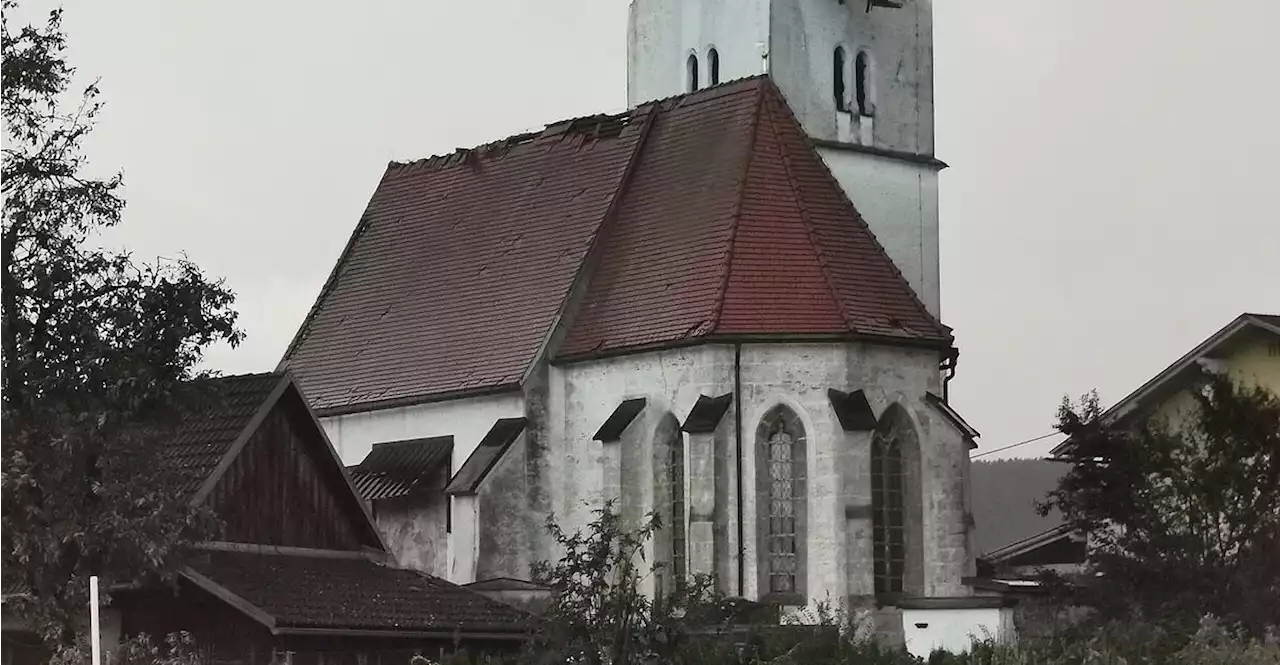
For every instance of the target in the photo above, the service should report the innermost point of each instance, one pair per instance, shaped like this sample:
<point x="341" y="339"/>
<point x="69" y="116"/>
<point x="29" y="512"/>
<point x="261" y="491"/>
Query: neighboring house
<point x="680" y="309"/>
<point x="1014" y="543"/>
<point x="299" y="572"/>
<point x="1247" y="350"/>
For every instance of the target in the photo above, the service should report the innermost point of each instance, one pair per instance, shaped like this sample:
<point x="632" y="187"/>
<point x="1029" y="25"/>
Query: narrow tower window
<point x="713" y="62"/>
<point x="862" y="81"/>
<point x="693" y="72"/>
<point x="837" y="79"/>
<point x="781" y="497"/>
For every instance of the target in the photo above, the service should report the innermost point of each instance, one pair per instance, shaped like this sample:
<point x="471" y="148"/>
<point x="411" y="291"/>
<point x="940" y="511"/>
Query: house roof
<point x="1174" y="375"/>
<point x="346" y="594"/>
<point x="400" y="468"/>
<point x="1057" y="545"/>
<point x="207" y="433"/>
<point x="702" y="216"/>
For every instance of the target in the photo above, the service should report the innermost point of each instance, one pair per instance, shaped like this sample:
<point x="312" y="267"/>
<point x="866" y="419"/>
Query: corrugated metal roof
<point x="690" y="218"/>
<point x="400" y="468"/>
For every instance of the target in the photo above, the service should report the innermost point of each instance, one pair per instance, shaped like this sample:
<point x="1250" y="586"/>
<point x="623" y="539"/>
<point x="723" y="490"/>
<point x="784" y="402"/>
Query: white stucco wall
<point x="467" y="421"/>
<point x="954" y="630"/>
<point x="662" y="33"/>
<point x="899" y="201"/>
<point x="584" y="394"/>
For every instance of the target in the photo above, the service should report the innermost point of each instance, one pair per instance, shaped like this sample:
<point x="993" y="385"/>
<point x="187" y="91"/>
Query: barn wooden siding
<point x="281" y="491"/>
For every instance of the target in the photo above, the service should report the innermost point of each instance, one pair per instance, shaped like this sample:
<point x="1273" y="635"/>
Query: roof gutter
<point x="781" y="338"/>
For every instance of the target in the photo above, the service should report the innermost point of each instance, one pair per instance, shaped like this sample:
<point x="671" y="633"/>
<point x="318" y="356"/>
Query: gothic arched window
<point x="670" y="542"/>
<point x="692" y="66"/>
<point x="862" y="84"/>
<point x="713" y="66"/>
<point x="837" y="79"/>
<point x="781" y="505"/>
<point x="896" y="505"/>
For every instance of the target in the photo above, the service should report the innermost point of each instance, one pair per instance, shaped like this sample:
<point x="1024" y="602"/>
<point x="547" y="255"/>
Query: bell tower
<point x="858" y="74"/>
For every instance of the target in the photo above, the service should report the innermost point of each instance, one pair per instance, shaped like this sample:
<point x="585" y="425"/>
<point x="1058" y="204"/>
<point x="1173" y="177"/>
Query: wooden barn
<point x="299" y="573"/>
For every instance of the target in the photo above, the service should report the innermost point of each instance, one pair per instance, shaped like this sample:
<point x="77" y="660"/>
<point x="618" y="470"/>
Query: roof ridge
<point x="805" y="218"/>
<point x="702" y="94"/>
<point x="844" y="197"/>
<point x="557" y="127"/>
<point x="735" y="220"/>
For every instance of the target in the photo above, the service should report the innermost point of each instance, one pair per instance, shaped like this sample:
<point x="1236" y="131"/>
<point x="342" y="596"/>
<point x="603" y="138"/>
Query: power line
<point x="1014" y="445"/>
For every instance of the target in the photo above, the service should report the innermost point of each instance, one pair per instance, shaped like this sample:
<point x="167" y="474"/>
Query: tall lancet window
<point x="896" y="505"/>
<point x="862" y="84"/>
<point x="713" y="66"/>
<point x="671" y="541"/>
<point x="837" y="79"/>
<point x="692" y="72"/>
<point x="679" y="537"/>
<point x="781" y="505"/>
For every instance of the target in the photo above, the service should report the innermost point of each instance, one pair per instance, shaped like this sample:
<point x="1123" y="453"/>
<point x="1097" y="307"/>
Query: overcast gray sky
<point x="1110" y="200"/>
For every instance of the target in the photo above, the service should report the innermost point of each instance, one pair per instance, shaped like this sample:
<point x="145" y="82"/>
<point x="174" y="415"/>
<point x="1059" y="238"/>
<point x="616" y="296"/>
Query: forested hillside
<point x="1004" y="496"/>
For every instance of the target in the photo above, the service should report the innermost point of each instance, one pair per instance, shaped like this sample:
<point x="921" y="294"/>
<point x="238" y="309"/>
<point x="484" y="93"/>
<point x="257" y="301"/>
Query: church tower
<point x="857" y="73"/>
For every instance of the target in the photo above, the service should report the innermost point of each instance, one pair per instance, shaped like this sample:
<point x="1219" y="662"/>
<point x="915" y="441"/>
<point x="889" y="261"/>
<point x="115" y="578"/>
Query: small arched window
<point x="781" y="506"/>
<point x="862" y="83"/>
<point x="837" y="79"/>
<point x="692" y="66"/>
<point x="713" y="65"/>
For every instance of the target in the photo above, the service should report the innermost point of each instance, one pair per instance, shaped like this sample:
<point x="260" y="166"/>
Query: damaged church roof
<point x="702" y="217"/>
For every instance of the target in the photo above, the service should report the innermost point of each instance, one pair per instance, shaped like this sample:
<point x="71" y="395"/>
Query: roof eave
<point x="414" y="400"/>
<point x="497" y="632"/>
<point x="762" y="338"/>
<point x="1134" y="400"/>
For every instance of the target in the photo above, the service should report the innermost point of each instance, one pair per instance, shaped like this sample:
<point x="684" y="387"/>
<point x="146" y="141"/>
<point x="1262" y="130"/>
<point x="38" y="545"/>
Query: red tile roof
<point x="695" y="217"/>
<point x="459" y="266"/>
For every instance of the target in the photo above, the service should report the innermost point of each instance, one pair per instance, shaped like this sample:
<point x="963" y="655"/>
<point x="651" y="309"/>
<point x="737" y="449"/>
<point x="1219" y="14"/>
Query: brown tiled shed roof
<point x="695" y="218"/>
<point x="298" y="591"/>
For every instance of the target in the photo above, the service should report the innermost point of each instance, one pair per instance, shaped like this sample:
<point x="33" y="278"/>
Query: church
<point x="721" y="305"/>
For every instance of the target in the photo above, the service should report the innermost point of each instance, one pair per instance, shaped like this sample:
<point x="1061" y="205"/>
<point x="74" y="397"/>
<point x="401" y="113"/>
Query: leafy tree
<point x="598" y="613"/>
<point x="98" y="352"/>
<point x="1183" y="517"/>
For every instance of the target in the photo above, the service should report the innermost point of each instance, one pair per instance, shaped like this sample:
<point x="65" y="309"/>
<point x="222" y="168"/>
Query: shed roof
<point x="400" y="468"/>
<point x="689" y="219"/>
